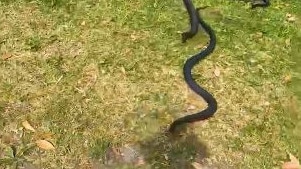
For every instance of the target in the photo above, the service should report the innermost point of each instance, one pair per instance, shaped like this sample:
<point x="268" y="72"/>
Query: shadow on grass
<point x="161" y="150"/>
<point x="173" y="151"/>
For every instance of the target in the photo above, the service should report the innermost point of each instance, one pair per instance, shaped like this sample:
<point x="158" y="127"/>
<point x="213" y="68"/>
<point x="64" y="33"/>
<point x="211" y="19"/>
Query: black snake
<point x="195" y="21"/>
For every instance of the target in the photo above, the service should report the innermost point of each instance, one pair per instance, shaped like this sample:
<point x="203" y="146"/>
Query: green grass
<point x="94" y="76"/>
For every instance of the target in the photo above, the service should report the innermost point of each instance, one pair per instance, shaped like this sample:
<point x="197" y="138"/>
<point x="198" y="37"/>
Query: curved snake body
<point x="195" y="22"/>
<point x="191" y="62"/>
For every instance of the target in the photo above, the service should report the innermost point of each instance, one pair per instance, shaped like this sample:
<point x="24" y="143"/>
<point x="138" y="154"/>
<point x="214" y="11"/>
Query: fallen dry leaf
<point x="27" y="126"/>
<point x="6" y="56"/>
<point x="140" y="161"/>
<point x="197" y="165"/>
<point x="44" y="144"/>
<point x="217" y="72"/>
<point x="123" y="70"/>
<point x="191" y="107"/>
<point x="165" y="156"/>
<point x="293" y="164"/>
<point x="290" y="17"/>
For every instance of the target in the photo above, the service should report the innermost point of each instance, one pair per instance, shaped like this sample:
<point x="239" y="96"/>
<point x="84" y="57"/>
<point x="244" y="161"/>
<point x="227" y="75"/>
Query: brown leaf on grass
<point x="290" y="17"/>
<point x="201" y="47"/>
<point x="83" y="23"/>
<point x="191" y="107"/>
<point x="140" y="161"/>
<point x="123" y="70"/>
<point x="217" y="72"/>
<point x="197" y="165"/>
<point x="292" y="164"/>
<point x="6" y="56"/>
<point x="45" y="145"/>
<point x="27" y="126"/>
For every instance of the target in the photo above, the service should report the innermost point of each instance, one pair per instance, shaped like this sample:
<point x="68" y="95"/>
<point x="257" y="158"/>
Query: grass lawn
<point x="102" y="78"/>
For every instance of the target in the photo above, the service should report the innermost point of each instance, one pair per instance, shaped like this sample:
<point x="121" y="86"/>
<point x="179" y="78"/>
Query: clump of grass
<point x="34" y="43"/>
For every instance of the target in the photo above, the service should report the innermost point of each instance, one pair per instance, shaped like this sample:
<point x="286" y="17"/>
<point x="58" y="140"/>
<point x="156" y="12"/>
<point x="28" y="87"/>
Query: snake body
<point x="195" y="22"/>
<point x="261" y="3"/>
<point x="191" y="62"/>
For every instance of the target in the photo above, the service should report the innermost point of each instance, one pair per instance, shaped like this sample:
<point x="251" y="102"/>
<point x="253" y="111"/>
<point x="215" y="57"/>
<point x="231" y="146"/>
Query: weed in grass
<point x="34" y="43"/>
